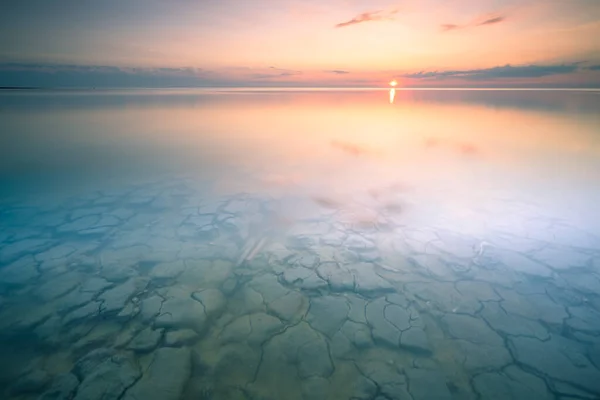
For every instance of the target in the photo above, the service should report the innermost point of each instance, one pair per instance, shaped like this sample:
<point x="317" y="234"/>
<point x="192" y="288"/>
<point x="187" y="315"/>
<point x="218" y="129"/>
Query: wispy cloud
<point x="353" y="149"/>
<point x="463" y="148"/>
<point x="58" y="68"/>
<point x="276" y="73"/>
<point x="481" y="21"/>
<point x="338" y="72"/>
<point x="68" y="75"/>
<point x="449" y="27"/>
<point x="500" y="72"/>
<point x="55" y="75"/>
<point x="492" y="21"/>
<point x="65" y="75"/>
<point x="368" y="16"/>
<point x="270" y="76"/>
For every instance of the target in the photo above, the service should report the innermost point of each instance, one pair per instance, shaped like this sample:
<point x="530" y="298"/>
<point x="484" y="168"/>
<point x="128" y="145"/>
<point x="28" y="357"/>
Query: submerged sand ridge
<point x="156" y="292"/>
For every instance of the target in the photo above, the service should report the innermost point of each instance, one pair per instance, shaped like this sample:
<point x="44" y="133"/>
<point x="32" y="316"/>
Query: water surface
<point x="300" y="244"/>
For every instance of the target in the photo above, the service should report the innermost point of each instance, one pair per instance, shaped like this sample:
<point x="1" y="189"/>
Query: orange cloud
<point x="491" y="21"/>
<point x="449" y="27"/>
<point x="481" y="21"/>
<point x="368" y="17"/>
<point x="351" y="148"/>
<point x="464" y="148"/>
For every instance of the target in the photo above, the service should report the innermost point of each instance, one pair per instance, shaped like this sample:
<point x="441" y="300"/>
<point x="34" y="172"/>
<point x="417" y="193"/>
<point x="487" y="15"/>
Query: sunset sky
<point x="429" y="43"/>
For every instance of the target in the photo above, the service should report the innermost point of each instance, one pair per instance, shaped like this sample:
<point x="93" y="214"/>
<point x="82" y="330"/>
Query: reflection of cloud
<point x="361" y="217"/>
<point x="392" y="190"/>
<point x="379" y="211"/>
<point x="368" y="17"/>
<point x="327" y="202"/>
<point x="276" y="180"/>
<point x="431" y="142"/>
<point x="464" y="148"/>
<point x="393" y="207"/>
<point x="482" y="21"/>
<point x="351" y="148"/>
<point x="467" y="148"/>
<point x="506" y="71"/>
<point x="399" y="187"/>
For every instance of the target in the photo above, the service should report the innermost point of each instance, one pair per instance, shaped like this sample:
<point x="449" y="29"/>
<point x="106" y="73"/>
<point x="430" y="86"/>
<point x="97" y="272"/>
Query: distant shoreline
<point x="20" y="88"/>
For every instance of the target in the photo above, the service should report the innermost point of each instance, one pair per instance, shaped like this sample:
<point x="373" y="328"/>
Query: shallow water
<point x="285" y="244"/>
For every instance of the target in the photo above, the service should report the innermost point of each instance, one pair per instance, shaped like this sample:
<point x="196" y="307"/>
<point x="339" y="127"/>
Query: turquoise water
<point x="299" y="244"/>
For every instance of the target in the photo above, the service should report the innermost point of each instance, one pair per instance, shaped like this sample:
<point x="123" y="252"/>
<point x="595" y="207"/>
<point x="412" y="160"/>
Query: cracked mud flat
<point x="154" y="292"/>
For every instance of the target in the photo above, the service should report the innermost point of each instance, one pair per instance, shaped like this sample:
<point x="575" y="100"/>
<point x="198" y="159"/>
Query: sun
<point x="393" y="83"/>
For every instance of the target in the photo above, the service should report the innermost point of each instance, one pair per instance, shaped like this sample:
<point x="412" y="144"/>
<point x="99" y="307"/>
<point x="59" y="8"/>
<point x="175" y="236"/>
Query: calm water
<point x="317" y="244"/>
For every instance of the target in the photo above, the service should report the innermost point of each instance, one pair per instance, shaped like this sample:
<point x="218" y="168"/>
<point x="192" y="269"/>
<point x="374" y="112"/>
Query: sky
<point x="424" y="43"/>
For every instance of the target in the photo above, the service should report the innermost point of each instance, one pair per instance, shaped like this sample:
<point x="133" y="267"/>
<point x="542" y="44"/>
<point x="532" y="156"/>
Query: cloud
<point x="338" y="72"/>
<point x="66" y="75"/>
<point x="449" y="27"/>
<point x="327" y="202"/>
<point x="368" y="17"/>
<point x="491" y="21"/>
<point x="278" y="73"/>
<point x="86" y="76"/>
<point x="481" y="21"/>
<point x="463" y="148"/>
<point x="500" y="72"/>
<point x="101" y="69"/>
<point x="270" y="76"/>
<point x="353" y="149"/>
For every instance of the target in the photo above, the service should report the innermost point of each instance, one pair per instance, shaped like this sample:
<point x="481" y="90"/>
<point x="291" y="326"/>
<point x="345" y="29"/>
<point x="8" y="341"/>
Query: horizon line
<point x="268" y="88"/>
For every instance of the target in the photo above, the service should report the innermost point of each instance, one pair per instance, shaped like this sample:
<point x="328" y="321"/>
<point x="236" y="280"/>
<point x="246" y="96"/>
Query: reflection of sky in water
<point x="454" y="151"/>
<point x="445" y="233"/>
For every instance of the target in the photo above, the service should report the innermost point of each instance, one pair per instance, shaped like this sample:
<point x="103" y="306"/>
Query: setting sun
<point x="393" y="83"/>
